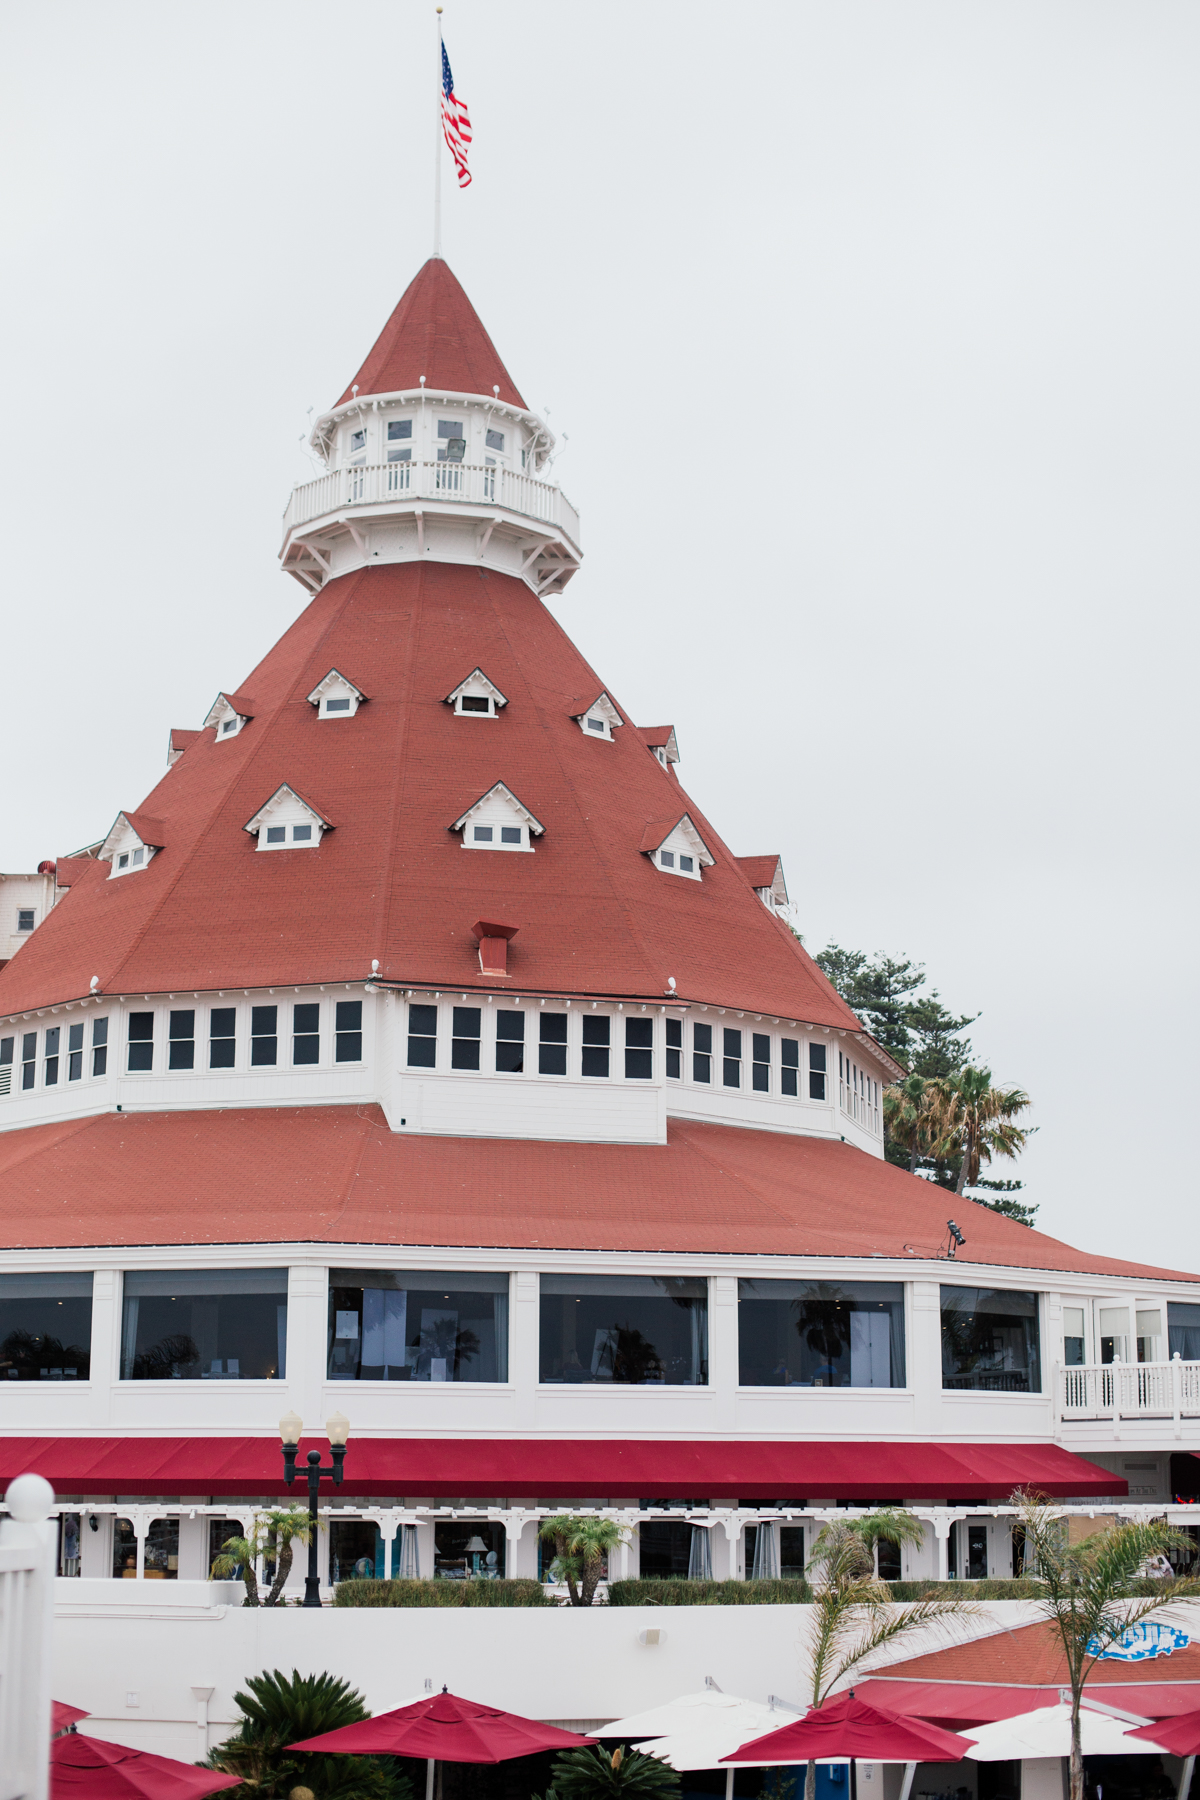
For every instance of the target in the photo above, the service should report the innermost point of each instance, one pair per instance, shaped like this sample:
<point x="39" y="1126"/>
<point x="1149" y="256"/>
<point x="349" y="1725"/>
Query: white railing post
<point x="1177" y="1394"/>
<point x="28" y="1543"/>
<point x="1116" y="1396"/>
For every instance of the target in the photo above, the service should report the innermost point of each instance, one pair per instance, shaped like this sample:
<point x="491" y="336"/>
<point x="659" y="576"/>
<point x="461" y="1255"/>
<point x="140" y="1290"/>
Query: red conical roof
<point x="391" y="881"/>
<point x="434" y="332"/>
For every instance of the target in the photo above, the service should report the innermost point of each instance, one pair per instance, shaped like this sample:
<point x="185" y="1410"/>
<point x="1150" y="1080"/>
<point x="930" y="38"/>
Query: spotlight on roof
<point x="456" y="449"/>
<point x="957" y="1240"/>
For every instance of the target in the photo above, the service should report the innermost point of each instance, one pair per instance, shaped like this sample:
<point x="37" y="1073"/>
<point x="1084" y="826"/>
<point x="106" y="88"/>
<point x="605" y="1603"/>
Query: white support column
<point x="942" y="1527"/>
<point x="141" y="1525"/>
<point x="202" y="1696"/>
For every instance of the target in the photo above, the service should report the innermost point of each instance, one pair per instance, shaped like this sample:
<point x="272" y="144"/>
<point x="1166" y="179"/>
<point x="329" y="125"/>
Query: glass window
<point x="596" y="1036"/>
<point x="789" y="1067"/>
<point x="664" y="1549"/>
<point x="510" y="834"/>
<point x="674" y="1048"/>
<point x="820" y="1333"/>
<point x="422" y="1037"/>
<point x="25" y="918"/>
<point x="69" y="1525"/>
<point x="510" y="1042"/>
<point x="495" y="439"/>
<point x="99" y="1046"/>
<point x="75" y="1052"/>
<point x="348" y="1031"/>
<point x="702" y="1053"/>
<point x="301" y="834"/>
<point x="141" y="1040"/>
<point x="276" y="834"/>
<point x="482" y="834"/>
<point x="816" y="1071"/>
<point x="306" y="1031"/>
<point x="1183" y="1330"/>
<point x="45" y="1327"/>
<point x="468" y="1550"/>
<point x="219" y="1533"/>
<point x="342" y="705"/>
<point x="552" y="1044"/>
<point x="7" y="1045"/>
<point x="476" y="703"/>
<point x="628" y="1328"/>
<point x="29" y="1059"/>
<point x="464" y="1041"/>
<point x="687" y="864"/>
<point x="356" y="1550"/>
<point x="639" y="1049"/>
<point x="417" y="1325"/>
<point x="222" y="1024"/>
<point x="990" y="1340"/>
<point x="264" y="1039"/>
<point x="124" y="1550"/>
<point x="181" y="1052"/>
<point x="358" y="440"/>
<point x="160" y="1560"/>
<point x="667" y="858"/>
<point x="399" y="429"/>
<point x="731" y="1071"/>
<point x="761" y="1071"/>
<point x="204" y="1325"/>
<point x="53" y="1039"/>
<point x="1074" y="1339"/>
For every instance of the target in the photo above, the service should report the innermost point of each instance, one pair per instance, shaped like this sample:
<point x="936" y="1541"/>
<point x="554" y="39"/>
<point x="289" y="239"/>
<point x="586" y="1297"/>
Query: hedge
<point x="440" y="1593"/>
<point x="967" y="1590"/>
<point x="708" y="1593"/>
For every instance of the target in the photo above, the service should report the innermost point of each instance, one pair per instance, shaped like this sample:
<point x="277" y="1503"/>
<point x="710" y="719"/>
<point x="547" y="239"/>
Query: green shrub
<point x="709" y="1593"/>
<point x="966" y="1590"/>
<point x="440" y="1593"/>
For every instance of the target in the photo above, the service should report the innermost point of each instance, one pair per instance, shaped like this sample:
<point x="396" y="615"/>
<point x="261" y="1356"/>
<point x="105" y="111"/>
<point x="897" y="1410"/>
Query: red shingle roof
<point x="1032" y="1655"/>
<point x="759" y="870"/>
<point x="434" y="332"/>
<point x="338" y="1174"/>
<point x="391" y="883"/>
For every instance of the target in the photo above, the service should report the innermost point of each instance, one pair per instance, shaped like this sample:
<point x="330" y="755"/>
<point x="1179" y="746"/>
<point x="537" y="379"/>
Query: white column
<point x="523" y="1348"/>
<point x="202" y="1696"/>
<point x="942" y="1527"/>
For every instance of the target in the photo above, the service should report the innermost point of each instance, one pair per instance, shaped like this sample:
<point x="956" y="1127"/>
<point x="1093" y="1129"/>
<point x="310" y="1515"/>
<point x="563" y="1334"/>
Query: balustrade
<point x="479" y="484"/>
<point x="1119" y="1390"/>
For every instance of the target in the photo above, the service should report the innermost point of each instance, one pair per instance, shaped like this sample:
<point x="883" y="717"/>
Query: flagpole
<point x="437" y="162"/>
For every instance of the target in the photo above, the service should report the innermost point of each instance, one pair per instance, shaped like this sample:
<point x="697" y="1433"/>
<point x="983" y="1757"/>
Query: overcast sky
<point x="872" y="331"/>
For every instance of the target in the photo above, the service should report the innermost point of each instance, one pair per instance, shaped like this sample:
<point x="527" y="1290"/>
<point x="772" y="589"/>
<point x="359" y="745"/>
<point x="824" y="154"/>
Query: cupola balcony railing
<point x="1128" y="1390"/>
<point x="470" y="484"/>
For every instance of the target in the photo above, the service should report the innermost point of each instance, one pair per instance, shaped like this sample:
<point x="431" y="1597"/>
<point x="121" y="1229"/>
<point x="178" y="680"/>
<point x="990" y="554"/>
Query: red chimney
<point x="492" y="939"/>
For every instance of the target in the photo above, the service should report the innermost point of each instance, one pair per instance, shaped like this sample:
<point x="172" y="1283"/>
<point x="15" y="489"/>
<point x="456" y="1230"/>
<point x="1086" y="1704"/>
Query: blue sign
<point x="1140" y="1643"/>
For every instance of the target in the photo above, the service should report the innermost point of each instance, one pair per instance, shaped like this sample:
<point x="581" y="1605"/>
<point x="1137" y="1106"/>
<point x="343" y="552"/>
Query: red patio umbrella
<point x="849" y="1728"/>
<point x="62" y="1715"/>
<point x="1181" y="1735"/>
<point x="94" y="1769"/>
<point x="445" y="1728"/>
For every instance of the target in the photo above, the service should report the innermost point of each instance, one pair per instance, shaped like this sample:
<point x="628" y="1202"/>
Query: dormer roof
<point x="227" y="706"/>
<point x="334" y="682"/>
<point x="150" y="832"/>
<point x="177" y="742"/>
<point x="500" y="791"/>
<point x="659" y="830"/>
<point x="661" y="739"/>
<point x="434" y="332"/>
<point x="477" y="683"/>
<point x="765" y="875"/>
<point x="601" y="708"/>
<point x="286" y="796"/>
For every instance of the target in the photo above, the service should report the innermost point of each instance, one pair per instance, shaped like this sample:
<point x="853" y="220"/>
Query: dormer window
<point x="600" y="719"/>
<point x="498" y="821"/>
<point x="660" y="739"/>
<point x="228" y="714"/>
<point x="765" y="874"/>
<point x="287" y="822"/>
<point x="130" y="844"/>
<point x="676" y="847"/>
<point x="476" y="697"/>
<point x="335" y="697"/>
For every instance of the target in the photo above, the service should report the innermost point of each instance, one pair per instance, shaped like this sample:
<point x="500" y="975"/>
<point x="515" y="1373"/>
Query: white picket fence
<point x="27" y="1553"/>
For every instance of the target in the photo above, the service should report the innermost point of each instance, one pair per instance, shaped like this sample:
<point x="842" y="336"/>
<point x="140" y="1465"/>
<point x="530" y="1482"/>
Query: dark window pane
<point x="25" y="918"/>
<point x="52" y="1071"/>
<point x="422" y="1021"/>
<point x="702" y="1038"/>
<point x="639" y="1033"/>
<point x="422" y="1052"/>
<point x="732" y="1076"/>
<point x="75" y="1065"/>
<point x="510" y="1042"/>
<point x="28" y="1075"/>
<point x="762" y="1047"/>
<point x="181" y="1054"/>
<point x="306" y="1049"/>
<point x="789" y="1082"/>
<point x="637" y="1329"/>
<point x="466" y="1021"/>
<point x="762" y="1078"/>
<point x="674" y="1063"/>
<point x="301" y="834"/>
<point x="494" y="439"/>
<point x="510" y="834"/>
<point x="478" y="703"/>
<point x="74" y="1038"/>
<point x="596" y="1028"/>
<point x="675" y="1033"/>
<point x="990" y="1340"/>
<point x="511" y="1025"/>
<point x="639" y="1065"/>
<point x="453" y="1558"/>
<point x="306" y="1018"/>
<point x="263" y="1052"/>
<point x="221" y="1053"/>
<point x="816" y="1085"/>
<point x="141" y="1026"/>
<point x="408" y="1325"/>
<point x="276" y="834"/>
<point x="552" y="1059"/>
<point x="733" y="1042"/>
<point x="552" y="1047"/>
<point x="45" y="1327"/>
<point x="701" y="1067"/>
<point x="141" y="1045"/>
<point x="6" y="1051"/>
<point x="464" y="1053"/>
<point x="100" y="1060"/>
<point x="789" y="1053"/>
<point x="221" y="1021"/>
<point x="595" y="1060"/>
<point x="262" y="1020"/>
<point x="263" y="1041"/>
<point x="210" y="1324"/>
<point x="816" y="1056"/>
<point x="422" y="1037"/>
<point x="53" y="1039"/>
<point x="183" y="1024"/>
<point x="348" y="1015"/>
<point x="820" y="1334"/>
<point x="399" y="428"/>
<point x="553" y="1028"/>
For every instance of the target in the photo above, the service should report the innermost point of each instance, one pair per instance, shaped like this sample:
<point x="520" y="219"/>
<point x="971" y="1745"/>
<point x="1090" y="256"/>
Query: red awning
<point x="566" y="1468"/>
<point x="961" y="1703"/>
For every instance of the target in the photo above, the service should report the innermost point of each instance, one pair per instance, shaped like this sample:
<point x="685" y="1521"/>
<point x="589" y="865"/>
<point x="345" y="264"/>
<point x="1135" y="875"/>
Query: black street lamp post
<point x="337" y="1429"/>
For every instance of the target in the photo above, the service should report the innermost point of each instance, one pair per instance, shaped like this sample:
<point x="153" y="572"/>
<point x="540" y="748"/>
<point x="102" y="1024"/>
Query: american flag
<point x="456" y="123"/>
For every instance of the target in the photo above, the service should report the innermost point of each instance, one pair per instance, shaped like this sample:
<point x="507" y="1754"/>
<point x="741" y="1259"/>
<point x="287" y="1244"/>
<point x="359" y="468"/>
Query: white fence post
<point x="28" y="1557"/>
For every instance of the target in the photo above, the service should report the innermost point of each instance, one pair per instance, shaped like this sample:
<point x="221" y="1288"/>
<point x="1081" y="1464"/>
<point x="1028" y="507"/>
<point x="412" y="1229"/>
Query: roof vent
<point x="493" y="939"/>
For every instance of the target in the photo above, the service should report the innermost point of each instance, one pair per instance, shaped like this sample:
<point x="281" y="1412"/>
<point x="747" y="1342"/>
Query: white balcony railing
<point x="1118" y="1390"/>
<point x="472" y="484"/>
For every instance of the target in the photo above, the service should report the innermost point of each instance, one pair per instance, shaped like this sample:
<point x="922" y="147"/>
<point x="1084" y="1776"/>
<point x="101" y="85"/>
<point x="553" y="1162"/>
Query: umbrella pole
<point x="853" y="1779"/>
<point x="729" y="1785"/>
<point x="1185" y="1778"/>
<point x="429" y="1768"/>
<point x="910" y="1770"/>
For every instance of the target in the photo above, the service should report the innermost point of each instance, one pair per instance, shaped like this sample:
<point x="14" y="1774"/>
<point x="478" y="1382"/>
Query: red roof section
<point x="434" y="332"/>
<point x="392" y="883"/>
<point x="69" y="869"/>
<point x="759" y="870"/>
<point x="337" y="1174"/>
<point x="1032" y="1656"/>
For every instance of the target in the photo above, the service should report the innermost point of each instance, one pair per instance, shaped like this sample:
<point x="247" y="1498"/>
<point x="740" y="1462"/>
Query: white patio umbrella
<point x="697" y="1730"/>
<point x="1046" y="1731"/>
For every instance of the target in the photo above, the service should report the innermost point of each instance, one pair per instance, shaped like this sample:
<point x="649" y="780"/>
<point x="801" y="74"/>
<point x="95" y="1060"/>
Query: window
<point x="731" y="1062"/>
<point x="464" y="1038"/>
<point x="358" y="445"/>
<point x="342" y="705"/>
<point x="597" y="1028"/>
<point x="25" y="916"/>
<point x="495" y="440"/>
<point x="28" y="1060"/>
<point x="348" y="1031"/>
<point x="789" y="1067"/>
<point x="667" y="858"/>
<point x="510" y="1043"/>
<point x="276" y="834"/>
<point x="306" y="1028"/>
<point x="264" y="1039"/>
<point x="990" y="1340"/>
<point x="639" y="1049"/>
<point x="399" y="440"/>
<point x="761" y="1070"/>
<point x="204" y="1325"/>
<point x="640" y="1329"/>
<point x="476" y="703"/>
<point x="552" y="1044"/>
<point x="7" y="1046"/>
<point x="595" y="724"/>
<point x="816" y="1071"/>
<point x="99" y="1046"/>
<point x="674" y="1048"/>
<point x="357" y="1550"/>
<point x="301" y="834"/>
<point x="75" y="1052"/>
<point x="1074" y="1339"/>
<point x="453" y="445"/>
<point x="45" y="1327"/>
<point x="469" y="1550"/>
<point x="222" y="1022"/>
<point x="702" y="1053"/>
<point x="229" y="725"/>
<point x="819" y="1334"/>
<point x="483" y="834"/>
<point x="422" y="1037"/>
<point x="1183" y="1330"/>
<point x="141" y="1041"/>
<point x="181" y="1032"/>
<point x="417" y="1325"/>
<point x="53" y="1038"/>
<point x="687" y="865"/>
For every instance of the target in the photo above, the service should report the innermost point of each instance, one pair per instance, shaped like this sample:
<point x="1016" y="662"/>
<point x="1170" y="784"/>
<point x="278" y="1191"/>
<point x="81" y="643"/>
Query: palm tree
<point x="907" y="1117"/>
<point x="974" y="1120"/>
<point x="599" y="1774"/>
<point x="279" y="1711"/>
<point x="852" y="1613"/>
<point x="284" y="1527"/>
<point x="1089" y="1591"/>
<point x="238" y="1555"/>
<point x="580" y="1547"/>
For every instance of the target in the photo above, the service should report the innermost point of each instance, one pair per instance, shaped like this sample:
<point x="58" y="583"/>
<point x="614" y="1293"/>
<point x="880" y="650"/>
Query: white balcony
<point x="1117" y="1390"/>
<point x="375" y="485"/>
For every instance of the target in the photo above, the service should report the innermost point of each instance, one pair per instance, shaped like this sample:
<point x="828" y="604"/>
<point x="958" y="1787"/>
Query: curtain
<point x="410" y="1560"/>
<point x="129" y="1338"/>
<point x="500" y="1328"/>
<point x="766" y="1553"/>
<point x="700" y="1554"/>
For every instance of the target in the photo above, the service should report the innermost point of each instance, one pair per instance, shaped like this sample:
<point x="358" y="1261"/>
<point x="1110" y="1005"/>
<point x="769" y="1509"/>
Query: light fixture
<point x="476" y="1547"/>
<point x="337" y="1430"/>
<point x="456" y="449"/>
<point x="290" y="1427"/>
